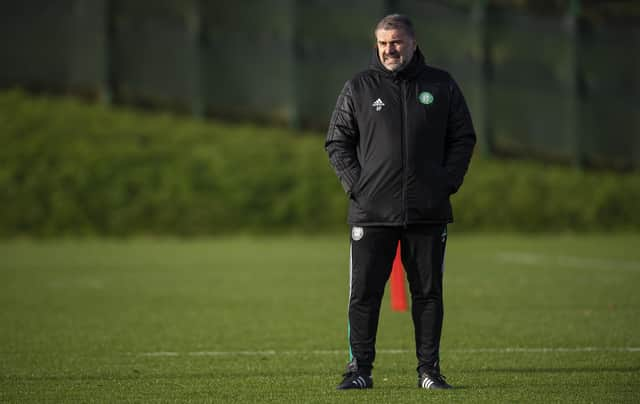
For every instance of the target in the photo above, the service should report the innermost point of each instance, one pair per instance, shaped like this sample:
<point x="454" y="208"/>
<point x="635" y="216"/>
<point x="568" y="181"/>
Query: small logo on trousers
<point x="357" y="233"/>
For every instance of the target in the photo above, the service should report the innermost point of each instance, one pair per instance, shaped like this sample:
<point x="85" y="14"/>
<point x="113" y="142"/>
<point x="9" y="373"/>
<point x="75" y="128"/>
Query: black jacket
<point x="400" y="142"/>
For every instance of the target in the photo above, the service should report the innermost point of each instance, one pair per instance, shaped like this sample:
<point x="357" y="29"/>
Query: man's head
<point x="395" y="41"/>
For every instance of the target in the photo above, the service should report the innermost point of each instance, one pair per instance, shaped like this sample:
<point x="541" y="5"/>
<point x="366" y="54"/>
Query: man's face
<point x="395" y="48"/>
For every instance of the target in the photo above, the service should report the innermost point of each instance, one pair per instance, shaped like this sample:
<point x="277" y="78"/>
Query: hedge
<point x="74" y="169"/>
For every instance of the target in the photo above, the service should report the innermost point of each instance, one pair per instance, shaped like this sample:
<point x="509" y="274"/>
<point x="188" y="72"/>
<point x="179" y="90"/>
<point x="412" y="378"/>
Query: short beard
<point x="397" y="67"/>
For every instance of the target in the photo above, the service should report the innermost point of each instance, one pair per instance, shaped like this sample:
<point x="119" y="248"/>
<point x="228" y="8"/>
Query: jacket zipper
<point x="405" y="153"/>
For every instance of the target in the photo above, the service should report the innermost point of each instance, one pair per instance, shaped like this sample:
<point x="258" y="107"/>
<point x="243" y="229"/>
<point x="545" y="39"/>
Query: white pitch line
<point x="394" y="351"/>
<point x="568" y="261"/>
<point x="160" y="354"/>
<point x="233" y="353"/>
<point x="545" y="350"/>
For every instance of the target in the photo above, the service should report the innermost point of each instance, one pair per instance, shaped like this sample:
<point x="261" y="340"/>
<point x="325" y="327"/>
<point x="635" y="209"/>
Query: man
<point x="400" y="140"/>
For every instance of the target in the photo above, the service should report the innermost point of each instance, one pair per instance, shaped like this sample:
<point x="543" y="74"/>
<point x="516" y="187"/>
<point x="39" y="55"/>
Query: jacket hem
<point x="399" y="224"/>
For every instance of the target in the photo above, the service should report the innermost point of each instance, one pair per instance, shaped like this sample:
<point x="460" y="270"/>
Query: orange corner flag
<point x="398" y="292"/>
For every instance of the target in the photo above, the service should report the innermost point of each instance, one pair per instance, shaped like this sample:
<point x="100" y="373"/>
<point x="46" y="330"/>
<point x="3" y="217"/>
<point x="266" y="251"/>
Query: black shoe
<point x="433" y="381"/>
<point x="355" y="379"/>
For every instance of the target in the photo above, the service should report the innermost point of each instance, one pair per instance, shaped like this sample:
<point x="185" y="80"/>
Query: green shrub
<point x="528" y="196"/>
<point x="75" y="169"/>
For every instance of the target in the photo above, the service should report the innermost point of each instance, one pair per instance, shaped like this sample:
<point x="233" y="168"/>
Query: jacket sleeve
<point x="460" y="140"/>
<point x="342" y="140"/>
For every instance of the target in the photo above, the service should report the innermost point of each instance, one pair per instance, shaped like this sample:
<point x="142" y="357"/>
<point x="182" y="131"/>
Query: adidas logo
<point x="378" y="104"/>
<point x="427" y="383"/>
<point x="359" y="383"/>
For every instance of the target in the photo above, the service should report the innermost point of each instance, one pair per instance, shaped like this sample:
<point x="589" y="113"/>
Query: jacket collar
<point x="415" y="66"/>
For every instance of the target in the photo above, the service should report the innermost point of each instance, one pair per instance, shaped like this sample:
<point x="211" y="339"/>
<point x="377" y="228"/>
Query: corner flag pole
<point x="398" y="292"/>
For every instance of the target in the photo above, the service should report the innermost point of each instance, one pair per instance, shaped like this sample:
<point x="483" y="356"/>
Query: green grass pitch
<point x="546" y="318"/>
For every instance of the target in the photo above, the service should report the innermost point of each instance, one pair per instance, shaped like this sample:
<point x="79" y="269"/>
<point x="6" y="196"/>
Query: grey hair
<point x="396" y="21"/>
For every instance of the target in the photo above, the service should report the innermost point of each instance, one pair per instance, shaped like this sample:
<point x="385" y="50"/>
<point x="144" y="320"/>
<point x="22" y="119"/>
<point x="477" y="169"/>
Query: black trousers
<point x="372" y="252"/>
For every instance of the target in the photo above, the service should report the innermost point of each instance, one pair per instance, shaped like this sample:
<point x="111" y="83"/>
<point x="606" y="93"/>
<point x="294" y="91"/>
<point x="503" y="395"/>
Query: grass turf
<point x="528" y="318"/>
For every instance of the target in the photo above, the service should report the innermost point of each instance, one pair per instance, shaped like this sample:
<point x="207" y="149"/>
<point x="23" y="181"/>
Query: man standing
<point x="400" y="141"/>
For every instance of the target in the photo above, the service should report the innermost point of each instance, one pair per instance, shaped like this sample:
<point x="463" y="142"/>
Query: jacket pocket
<point x="432" y="187"/>
<point x="355" y="189"/>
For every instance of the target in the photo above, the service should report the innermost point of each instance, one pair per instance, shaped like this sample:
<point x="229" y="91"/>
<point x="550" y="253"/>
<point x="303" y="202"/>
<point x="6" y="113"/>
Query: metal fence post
<point x="482" y="113"/>
<point x="107" y="87"/>
<point x="573" y="67"/>
<point x="294" y="59"/>
<point x="195" y="27"/>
